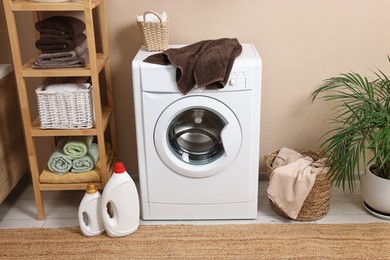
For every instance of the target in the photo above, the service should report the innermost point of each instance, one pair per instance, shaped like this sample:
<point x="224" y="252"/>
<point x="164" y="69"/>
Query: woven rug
<point x="246" y="241"/>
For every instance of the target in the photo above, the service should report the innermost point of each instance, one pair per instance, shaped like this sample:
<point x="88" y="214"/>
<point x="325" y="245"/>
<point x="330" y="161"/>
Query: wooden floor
<point x="18" y="210"/>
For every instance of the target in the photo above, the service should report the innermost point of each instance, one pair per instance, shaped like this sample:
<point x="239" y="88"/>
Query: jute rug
<point x="246" y="241"/>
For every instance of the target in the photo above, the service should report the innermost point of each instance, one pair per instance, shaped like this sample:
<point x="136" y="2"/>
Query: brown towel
<point x="60" y="26"/>
<point x="204" y="63"/>
<point x="52" y="45"/>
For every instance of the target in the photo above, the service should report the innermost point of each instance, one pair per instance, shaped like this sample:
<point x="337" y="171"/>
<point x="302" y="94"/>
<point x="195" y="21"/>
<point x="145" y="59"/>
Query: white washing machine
<point x="198" y="154"/>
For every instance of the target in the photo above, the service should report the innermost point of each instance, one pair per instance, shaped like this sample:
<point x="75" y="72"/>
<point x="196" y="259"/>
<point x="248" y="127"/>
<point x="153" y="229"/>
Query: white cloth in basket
<point x="291" y="181"/>
<point x="67" y="87"/>
<point x="149" y="17"/>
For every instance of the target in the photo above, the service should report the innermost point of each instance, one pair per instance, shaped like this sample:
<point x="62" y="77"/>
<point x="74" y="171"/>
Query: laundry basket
<point x="317" y="202"/>
<point x="155" y="35"/>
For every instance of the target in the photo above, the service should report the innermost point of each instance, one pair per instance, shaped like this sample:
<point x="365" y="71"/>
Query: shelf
<point x="67" y="186"/>
<point x="20" y="5"/>
<point x="28" y="71"/>
<point x="93" y="11"/>
<point x="37" y="131"/>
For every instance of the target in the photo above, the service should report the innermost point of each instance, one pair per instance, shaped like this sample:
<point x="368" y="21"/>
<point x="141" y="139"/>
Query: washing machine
<point x="198" y="154"/>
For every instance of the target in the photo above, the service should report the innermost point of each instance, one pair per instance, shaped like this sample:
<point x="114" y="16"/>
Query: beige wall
<point x="301" y="43"/>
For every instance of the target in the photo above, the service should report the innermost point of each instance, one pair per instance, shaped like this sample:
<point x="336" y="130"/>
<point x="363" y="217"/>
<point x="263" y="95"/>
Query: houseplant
<point x="359" y="132"/>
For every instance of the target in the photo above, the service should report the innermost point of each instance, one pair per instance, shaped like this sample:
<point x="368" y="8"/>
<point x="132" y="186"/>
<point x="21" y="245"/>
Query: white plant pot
<point x="376" y="194"/>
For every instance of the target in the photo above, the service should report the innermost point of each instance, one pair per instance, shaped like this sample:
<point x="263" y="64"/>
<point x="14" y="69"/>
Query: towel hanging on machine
<point x="204" y="63"/>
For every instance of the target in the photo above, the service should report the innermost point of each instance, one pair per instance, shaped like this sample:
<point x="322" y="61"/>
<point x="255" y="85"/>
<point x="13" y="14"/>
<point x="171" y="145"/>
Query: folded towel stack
<point x="62" y="42"/>
<point x="76" y="154"/>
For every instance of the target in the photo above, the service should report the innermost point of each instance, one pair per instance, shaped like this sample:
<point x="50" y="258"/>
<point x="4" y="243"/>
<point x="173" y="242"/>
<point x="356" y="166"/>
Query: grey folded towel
<point x="79" y="62"/>
<point x="63" y="56"/>
<point x="62" y="26"/>
<point x="61" y="60"/>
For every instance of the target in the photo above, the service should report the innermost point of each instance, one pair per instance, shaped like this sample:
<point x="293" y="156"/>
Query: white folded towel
<point x="67" y="87"/>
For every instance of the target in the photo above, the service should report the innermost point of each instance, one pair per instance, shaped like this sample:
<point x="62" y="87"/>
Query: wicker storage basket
<point x="65" y="110"/>
<point x="317" y="202"/>
<point x="155" y="35"/>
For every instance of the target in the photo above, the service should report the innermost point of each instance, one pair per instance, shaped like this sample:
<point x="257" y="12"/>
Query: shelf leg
<point x="35" y="179"/>
<point x="39" y="203"/>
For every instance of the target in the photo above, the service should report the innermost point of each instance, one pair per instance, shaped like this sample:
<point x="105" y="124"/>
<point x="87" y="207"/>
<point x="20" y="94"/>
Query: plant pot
<point x="376" y="194"/>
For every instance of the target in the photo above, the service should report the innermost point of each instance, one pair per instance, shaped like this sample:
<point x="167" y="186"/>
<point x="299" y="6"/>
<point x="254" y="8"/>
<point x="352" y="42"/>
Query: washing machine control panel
<point x="238" y="79"/>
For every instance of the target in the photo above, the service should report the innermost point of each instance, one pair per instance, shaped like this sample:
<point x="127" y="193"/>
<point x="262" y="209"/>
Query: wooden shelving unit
<point x="98" y="63"/>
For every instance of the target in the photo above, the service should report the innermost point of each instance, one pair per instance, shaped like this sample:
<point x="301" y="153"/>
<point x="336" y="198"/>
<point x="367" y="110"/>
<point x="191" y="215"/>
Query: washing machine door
<point x="197" y="136"/>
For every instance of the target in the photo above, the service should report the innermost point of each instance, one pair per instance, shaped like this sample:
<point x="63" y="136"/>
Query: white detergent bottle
<point x="90" y="219"/>
<point x="120" y="203"/>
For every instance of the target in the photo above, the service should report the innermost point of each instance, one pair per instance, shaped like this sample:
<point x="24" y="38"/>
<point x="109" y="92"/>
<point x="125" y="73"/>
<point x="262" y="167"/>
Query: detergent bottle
<point x="90" y="219"/>
<point x="120" y="203"/>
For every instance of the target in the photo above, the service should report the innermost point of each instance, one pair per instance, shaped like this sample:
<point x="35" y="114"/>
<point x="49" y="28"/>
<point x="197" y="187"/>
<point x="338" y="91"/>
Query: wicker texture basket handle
<point x="155" y="35"/>
<point x="151" y="12"/>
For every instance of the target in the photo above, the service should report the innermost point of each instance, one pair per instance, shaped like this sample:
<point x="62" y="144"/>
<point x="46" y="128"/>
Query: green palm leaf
<point x="360" y="123"/>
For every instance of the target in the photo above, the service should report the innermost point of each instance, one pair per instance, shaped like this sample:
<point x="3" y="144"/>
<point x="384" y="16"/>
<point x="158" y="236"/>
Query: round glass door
<point x="197" y="136"/>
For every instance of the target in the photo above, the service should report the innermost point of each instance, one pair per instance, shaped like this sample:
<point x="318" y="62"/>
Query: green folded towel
<point x="77" y="146"/>
<point x="87" y="162"/>
<point x="58" y="162"/>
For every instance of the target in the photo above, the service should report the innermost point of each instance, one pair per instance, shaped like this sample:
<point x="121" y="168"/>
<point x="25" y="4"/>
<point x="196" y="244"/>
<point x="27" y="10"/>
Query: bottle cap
<point x="91" y="188"/>
<point x="119" y="167"/>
